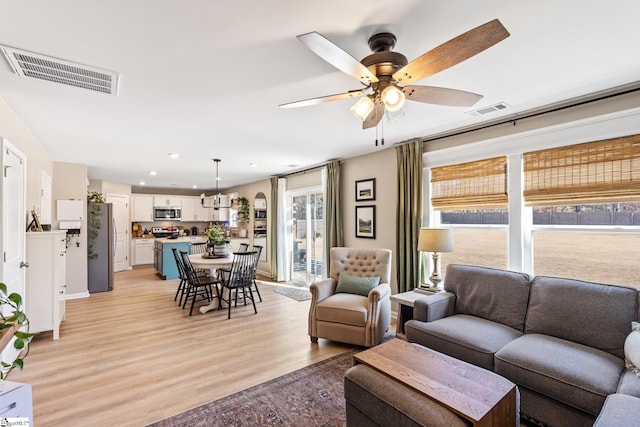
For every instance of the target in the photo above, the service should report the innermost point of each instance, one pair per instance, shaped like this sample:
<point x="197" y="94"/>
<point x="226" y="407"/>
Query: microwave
<point x="164" y="214"/>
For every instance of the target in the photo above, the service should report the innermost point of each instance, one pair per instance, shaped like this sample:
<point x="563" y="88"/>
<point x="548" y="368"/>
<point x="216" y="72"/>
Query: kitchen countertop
<point x="190" y="239"/>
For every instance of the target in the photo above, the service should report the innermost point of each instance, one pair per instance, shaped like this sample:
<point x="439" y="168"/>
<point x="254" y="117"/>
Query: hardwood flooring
<point x="132" y="356"/>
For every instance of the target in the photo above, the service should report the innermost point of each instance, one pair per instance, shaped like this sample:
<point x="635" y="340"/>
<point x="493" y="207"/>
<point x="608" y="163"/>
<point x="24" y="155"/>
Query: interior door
<point x="13" y="225"/>
<point x="307" y="220"/>
<point x="120" y="205"/>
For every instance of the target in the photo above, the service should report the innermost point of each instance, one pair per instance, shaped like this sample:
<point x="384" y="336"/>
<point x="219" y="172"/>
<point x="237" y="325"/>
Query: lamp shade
<point x="435" y="240"/>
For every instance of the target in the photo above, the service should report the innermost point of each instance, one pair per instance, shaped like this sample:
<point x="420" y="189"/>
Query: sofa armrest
<point x="434" y="307"/>
<point x="322" y="289"/>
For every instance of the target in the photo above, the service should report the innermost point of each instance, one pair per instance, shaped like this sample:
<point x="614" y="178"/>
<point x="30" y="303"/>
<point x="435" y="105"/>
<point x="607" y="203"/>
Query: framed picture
<point x="366" y="189"/>
<point x="366" y="221"/>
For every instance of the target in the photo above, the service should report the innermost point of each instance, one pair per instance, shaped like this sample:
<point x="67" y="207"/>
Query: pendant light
<point x="217" y="197"/>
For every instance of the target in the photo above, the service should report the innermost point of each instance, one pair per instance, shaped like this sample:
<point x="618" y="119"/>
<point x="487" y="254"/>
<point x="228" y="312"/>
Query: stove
<point x="163" y="232"/>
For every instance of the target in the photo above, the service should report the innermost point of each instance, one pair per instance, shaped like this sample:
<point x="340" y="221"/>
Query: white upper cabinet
<point x="141" y="208"/>
<point x="192" y="210"/>
<point x="167" y="201"/>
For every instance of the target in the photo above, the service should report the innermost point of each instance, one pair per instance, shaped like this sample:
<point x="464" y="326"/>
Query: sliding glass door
<point x="307" y="232"/>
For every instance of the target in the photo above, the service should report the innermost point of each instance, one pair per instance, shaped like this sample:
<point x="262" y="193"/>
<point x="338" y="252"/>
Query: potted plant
<point x="216" y="240"/>
<point x="243" y="209"/>
<point x="13" y="323"/>
<point x="94" y="201"/>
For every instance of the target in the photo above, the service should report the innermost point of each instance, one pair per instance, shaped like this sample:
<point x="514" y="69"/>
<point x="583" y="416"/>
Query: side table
<point x="405" y="302"/>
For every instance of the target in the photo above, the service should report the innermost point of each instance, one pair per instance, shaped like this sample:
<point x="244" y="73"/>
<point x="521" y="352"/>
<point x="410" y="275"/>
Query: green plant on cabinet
<point x="13" y="322"/>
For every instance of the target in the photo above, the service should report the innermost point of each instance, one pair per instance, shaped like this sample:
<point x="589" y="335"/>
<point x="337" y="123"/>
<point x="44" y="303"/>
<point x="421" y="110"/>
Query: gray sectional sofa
<point x="560" y="340"/>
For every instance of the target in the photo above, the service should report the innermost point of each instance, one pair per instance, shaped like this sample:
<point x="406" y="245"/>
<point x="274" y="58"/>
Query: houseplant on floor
<point x="216" y="240"/>
<point x="13" y="323"/>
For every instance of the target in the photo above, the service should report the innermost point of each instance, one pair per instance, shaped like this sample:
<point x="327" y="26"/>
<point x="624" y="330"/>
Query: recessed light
<point x="195" y="186"/>
<point x="141" y="182"/>
<point x="153" y="173"/>
<point x="253" y="165"/>
<point x="174" y="155"/>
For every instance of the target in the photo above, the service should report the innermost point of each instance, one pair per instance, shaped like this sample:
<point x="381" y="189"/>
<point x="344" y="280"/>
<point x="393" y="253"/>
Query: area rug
<point x="298" y="294"/>
<point x="311" y="396"/>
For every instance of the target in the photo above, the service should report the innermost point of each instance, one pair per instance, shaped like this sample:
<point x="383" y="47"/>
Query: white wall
<point x="70" y="182"/>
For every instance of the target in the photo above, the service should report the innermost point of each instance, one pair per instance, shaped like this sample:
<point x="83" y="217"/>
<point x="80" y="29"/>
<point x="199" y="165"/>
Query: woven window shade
<point x="595" y="172"/>
<point x="473" y="185"/>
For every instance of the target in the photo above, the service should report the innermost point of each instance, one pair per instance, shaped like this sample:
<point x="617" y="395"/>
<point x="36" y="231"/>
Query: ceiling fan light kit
<point x="386" y="74"/>
<point x="363" y="107"/>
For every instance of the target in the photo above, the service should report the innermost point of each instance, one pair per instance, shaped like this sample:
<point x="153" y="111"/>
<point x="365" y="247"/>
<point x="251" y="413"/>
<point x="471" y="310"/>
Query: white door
<point x="13" y="217"/>
<point x="13" y="225"/>
<point x="121" y="230"/>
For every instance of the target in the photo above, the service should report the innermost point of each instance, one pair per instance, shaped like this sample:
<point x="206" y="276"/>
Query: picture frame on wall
<point x="366" y="221"/>
<point x="365" y="190"/>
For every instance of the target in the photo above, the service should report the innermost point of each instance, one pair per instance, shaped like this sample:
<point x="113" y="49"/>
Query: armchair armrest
<point x="434" y="307"/>
<point x="321" y="289"/>
<point x="383" y="290"/>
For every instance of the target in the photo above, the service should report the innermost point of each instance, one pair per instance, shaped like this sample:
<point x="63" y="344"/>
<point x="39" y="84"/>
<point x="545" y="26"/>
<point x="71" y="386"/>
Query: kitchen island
<point x="163" y="261"/>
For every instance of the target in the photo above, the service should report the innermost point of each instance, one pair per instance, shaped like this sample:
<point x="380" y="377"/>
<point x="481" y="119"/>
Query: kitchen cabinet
<point x="167" y="201"/>
<point x="164" y="262"/>
<point x="221" y="214"/>
<point x="141" y="208"/>
<point x="192" y="210"/>
<point x="45" y="285"/>
<point x="142" y="251"/>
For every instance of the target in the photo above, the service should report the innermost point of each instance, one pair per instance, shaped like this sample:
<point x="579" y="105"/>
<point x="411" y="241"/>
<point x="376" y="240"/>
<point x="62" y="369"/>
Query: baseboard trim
<point x="77" y="296"/>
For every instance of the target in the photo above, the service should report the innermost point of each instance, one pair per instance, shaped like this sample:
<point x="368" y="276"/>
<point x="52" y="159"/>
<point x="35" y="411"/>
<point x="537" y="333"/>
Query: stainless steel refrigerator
<point x="101" y="250"/>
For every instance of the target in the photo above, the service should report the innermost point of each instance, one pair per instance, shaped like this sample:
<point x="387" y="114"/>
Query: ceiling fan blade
<point x="452" y="52"/>
<point x="322" y="99"/>
<point x="374" y="118"/>
<point x="441" y="96"/>
<point x="337" y="57"/>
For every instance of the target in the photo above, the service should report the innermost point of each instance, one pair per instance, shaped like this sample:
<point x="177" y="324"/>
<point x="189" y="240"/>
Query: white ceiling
<point x="204" y="78"/>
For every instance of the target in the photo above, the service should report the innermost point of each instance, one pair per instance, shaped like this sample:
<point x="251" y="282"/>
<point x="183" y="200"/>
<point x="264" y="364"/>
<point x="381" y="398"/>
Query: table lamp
<point x="434" y="240"/>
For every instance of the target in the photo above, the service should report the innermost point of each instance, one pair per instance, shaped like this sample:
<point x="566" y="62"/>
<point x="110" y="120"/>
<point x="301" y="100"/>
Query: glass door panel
<point x="307" y="219"/>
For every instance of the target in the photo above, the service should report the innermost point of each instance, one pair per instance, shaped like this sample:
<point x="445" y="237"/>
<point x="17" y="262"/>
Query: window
<point x="469" y="197"/>
<point x="578" y="214"/>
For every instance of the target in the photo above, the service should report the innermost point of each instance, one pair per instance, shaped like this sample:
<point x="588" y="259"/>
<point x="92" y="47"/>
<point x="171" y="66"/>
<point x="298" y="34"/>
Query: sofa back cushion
<point x="588" y="313"/>
<point x="497" y="295"/>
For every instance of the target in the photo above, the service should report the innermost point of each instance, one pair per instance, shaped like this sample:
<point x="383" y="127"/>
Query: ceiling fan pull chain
<point x="382" y="131"/>
<point x="376" y="136"/>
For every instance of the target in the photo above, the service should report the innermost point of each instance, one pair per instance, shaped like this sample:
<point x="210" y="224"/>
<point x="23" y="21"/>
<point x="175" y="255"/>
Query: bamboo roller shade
<point x="471" y="185"/>
<point x="596" y="172"/>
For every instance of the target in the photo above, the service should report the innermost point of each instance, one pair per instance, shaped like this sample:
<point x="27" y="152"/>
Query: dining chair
<point x="198" y="285"/>
<point x="243" y="247"/>
<point x="239" y="278"/>
<point x="258" y="250"/>
<point x="198" y="247"/>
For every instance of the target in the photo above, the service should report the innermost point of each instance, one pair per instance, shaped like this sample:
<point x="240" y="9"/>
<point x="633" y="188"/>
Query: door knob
<point x="24" y="264"/>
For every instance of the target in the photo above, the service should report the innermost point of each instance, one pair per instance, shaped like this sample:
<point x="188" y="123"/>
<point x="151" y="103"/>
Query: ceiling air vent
<point x="490" y="109"/>
<point x="56" y="70"/>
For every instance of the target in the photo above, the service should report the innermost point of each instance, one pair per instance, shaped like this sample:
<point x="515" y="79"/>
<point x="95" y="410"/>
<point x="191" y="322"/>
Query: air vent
<point x="490" y="109"/>
<point x="29" y="64"/>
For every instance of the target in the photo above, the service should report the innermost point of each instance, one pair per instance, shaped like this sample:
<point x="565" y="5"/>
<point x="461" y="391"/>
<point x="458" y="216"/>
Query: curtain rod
<point x="303" y="171"/>
<point x="600" y="96"/>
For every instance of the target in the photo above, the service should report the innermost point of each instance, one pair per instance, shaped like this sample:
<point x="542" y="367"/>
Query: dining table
<point x="204" y="261"/>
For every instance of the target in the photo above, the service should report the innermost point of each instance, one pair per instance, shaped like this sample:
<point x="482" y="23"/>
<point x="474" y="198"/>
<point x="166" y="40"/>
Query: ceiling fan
<point x="387" y="75"/>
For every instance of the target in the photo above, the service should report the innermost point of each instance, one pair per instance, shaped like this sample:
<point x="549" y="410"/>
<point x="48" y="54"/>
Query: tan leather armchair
<point x="351" y="318"/>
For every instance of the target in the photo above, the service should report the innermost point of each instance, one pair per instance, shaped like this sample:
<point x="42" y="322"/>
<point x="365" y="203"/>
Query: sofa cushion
<point x="574" y="374"/>
<point x="497" y="295"/>
<point x="349" y="309"/>
<point x="629" y="383"/>
<point x="360" y="285"/>
<point x="468" y="338"/>
<point x="592" y="314"/>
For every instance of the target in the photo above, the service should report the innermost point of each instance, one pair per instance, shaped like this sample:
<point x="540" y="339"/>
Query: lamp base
<point x="427" y="289"/>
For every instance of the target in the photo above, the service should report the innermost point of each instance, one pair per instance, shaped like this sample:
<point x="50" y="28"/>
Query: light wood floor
<point x="131" y="356"/>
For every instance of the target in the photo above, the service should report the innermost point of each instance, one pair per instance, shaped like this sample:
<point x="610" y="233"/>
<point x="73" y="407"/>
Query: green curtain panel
<point x="408" y="215"/>
<point x="273" y="215"/>
<point x="333" y="218"/>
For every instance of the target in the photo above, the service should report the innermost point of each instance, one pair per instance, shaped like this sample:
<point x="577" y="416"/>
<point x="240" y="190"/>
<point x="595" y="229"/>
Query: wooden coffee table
<point x="473" y="393"/>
